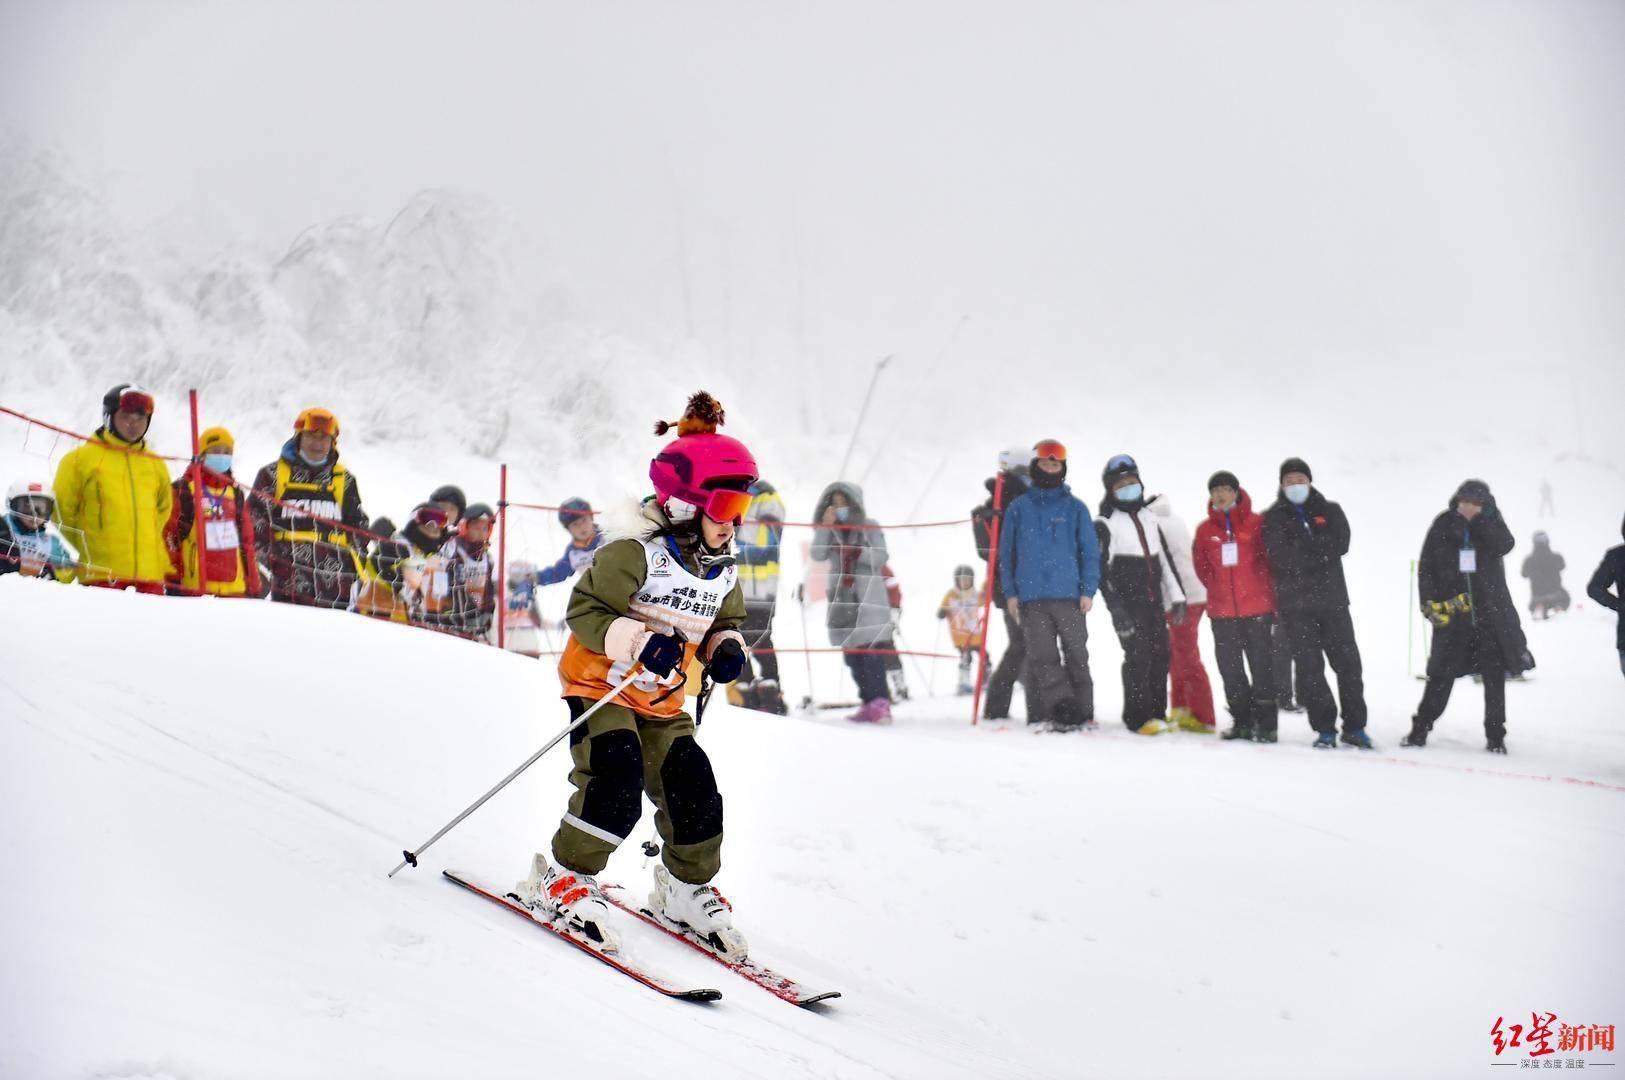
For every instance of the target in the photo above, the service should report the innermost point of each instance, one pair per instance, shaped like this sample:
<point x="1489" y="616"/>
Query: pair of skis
<point x="780" y="986"/>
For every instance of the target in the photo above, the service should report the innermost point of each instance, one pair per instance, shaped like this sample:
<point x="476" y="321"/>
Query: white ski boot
<point x="571" y="898"/>
<point x="701" y="909"/>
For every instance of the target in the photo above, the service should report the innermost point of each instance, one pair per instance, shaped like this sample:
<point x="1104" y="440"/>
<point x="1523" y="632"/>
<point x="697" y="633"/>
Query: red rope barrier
<point x="86" y="438"/>
<point x="776" y="521"/>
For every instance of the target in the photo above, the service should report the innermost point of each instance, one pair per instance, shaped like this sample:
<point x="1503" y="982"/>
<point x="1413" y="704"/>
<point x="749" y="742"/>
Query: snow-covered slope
<point x="201" y="800"/>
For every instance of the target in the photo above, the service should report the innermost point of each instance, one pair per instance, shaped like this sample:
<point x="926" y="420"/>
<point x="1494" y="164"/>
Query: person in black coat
<point x="1001" y="685"/>
<point x="1306" y="536"/>
<point x="1611" y="575"/>
<point x="1461" y="577"/>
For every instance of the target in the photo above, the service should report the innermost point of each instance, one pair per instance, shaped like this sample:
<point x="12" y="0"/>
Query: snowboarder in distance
<point x="1142" y="591"/>
<point x="961" y="607"/>
<point x="1610" y="574"/>
<point x="1049" y="561"/>
<point x="658" y="600"/>
<point x="1011" y="669"/>
<point x="29" y="544"/>
<point x="1306" y="536"/>
<point x="1463" y="586"/>
<point x="1544" y="569"/>
<point x="1231" y="561"/>
<point x="1546" y="504"/>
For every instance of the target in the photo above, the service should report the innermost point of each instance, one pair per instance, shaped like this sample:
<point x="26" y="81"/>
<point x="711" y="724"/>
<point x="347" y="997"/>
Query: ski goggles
<point x="718" y="504"/>
<point x="318" y="420"/>
<point x="430" y="515"/>
<point x="1049" y="448"/>
<point x="135" y="400"/>
<point x="1121" y="462"/>
<point x="33" y="506"/>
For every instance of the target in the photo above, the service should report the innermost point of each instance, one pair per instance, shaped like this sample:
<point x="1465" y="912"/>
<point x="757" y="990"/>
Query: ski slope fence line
<point x="354" y="563"/>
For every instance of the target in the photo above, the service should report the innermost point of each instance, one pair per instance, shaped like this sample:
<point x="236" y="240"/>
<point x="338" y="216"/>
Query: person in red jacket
<point x="1230" y="560"/>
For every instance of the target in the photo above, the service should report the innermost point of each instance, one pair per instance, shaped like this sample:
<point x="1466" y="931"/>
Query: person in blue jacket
<point x="1049" y="567"/>
<point x="585" y="538"/>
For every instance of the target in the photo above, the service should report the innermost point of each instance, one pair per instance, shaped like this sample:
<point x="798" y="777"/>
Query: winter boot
<point x="574" y="899"/>
<point x="1264" y="722"/>
<point x="1359" y="738"/>
<point x="700" y="908"/>
<point x="898" y="684"/>
<point x="738" y="693"/>
<point x="1419" y="732"/>
<point x="769" y="698"/>
<point x="877" y="711"/>
<point x="1154" y="726"/>
<point x="1495" y="738"/>
<point x="1326" y="740"/>
<point x="1265" y="735"/>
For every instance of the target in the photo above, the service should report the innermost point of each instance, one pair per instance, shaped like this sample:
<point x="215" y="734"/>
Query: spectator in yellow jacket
<point x="116" y="494"/>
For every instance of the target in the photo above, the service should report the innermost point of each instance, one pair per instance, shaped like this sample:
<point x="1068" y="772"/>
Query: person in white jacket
<point x="1190" y="695"/>
<point x="1143" y="593"/>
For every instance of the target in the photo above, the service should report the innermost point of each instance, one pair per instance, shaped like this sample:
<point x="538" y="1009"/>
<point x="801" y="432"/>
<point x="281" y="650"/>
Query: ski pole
<point x="411" y="857"/>
<point x="863" y="413"/>
<point x="806" y="645"/>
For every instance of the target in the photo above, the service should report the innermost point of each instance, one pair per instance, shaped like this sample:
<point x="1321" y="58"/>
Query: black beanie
<point x="1297" y="464"/>
<point x="1223" y="478"/>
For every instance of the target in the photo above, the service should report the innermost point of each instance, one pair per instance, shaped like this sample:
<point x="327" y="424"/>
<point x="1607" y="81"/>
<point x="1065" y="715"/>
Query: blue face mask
<point x="1296" y="494"/>
<point x="842" y="513"/>
<point x="220" y="463"/>
<point x="1129" y="494"/>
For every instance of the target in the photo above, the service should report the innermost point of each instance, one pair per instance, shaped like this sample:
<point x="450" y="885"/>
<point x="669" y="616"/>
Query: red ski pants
<point x="1187" y="677"/>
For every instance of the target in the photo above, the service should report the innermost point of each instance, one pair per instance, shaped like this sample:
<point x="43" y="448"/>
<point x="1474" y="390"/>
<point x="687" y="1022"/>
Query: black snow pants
<point x="1144" y="633"/>
<point x="1454" y="650"/>
<point x="1240" y="644"/>
<point x="1057" y="638"/>
<point x="1001" y="685"/>
<point x="1319" y="638"/>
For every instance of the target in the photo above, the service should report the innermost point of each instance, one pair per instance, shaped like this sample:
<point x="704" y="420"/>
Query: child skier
<point x="660" y="599"/>
<point x="469" y="601"/>
<point x="962" y="607"/>
<point x="29" y="544"/>
<point x="576" y="515"/>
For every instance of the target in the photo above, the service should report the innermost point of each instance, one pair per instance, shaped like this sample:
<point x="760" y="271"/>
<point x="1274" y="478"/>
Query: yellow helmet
<point x="317" y="419"/>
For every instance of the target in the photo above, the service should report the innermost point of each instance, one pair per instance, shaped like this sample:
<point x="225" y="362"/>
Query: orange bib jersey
<point x="671" y="599"/>
<point x="964" y="613"/>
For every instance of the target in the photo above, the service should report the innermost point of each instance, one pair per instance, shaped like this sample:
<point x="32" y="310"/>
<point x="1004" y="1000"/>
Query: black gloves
<point x="727" y="662"/>
<point x="1176" y="614"/>
<point x="661" y="654"/>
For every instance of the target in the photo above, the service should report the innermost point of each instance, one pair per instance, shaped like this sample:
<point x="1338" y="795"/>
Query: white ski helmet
<point x="22" y="490"/>
<point x="1015" y="458"/>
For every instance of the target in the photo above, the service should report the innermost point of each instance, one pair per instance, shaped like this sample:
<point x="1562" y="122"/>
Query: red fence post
<point x="502" y="560"/>
<point x="199" y="508"/>
<point x="987" y="594"/>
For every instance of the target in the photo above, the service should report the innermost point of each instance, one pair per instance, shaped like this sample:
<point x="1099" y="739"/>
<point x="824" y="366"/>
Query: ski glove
<point x="661" y="653"/>
<point x="1176" y="614"/>
<point x="727" y="662"/>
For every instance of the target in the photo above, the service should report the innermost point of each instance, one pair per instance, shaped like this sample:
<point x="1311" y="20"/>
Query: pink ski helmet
<point x="702" y="470"/>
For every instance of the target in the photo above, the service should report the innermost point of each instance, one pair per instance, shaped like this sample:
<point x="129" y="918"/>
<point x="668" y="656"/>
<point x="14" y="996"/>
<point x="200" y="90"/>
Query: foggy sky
<point x="1235" y="204"/>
